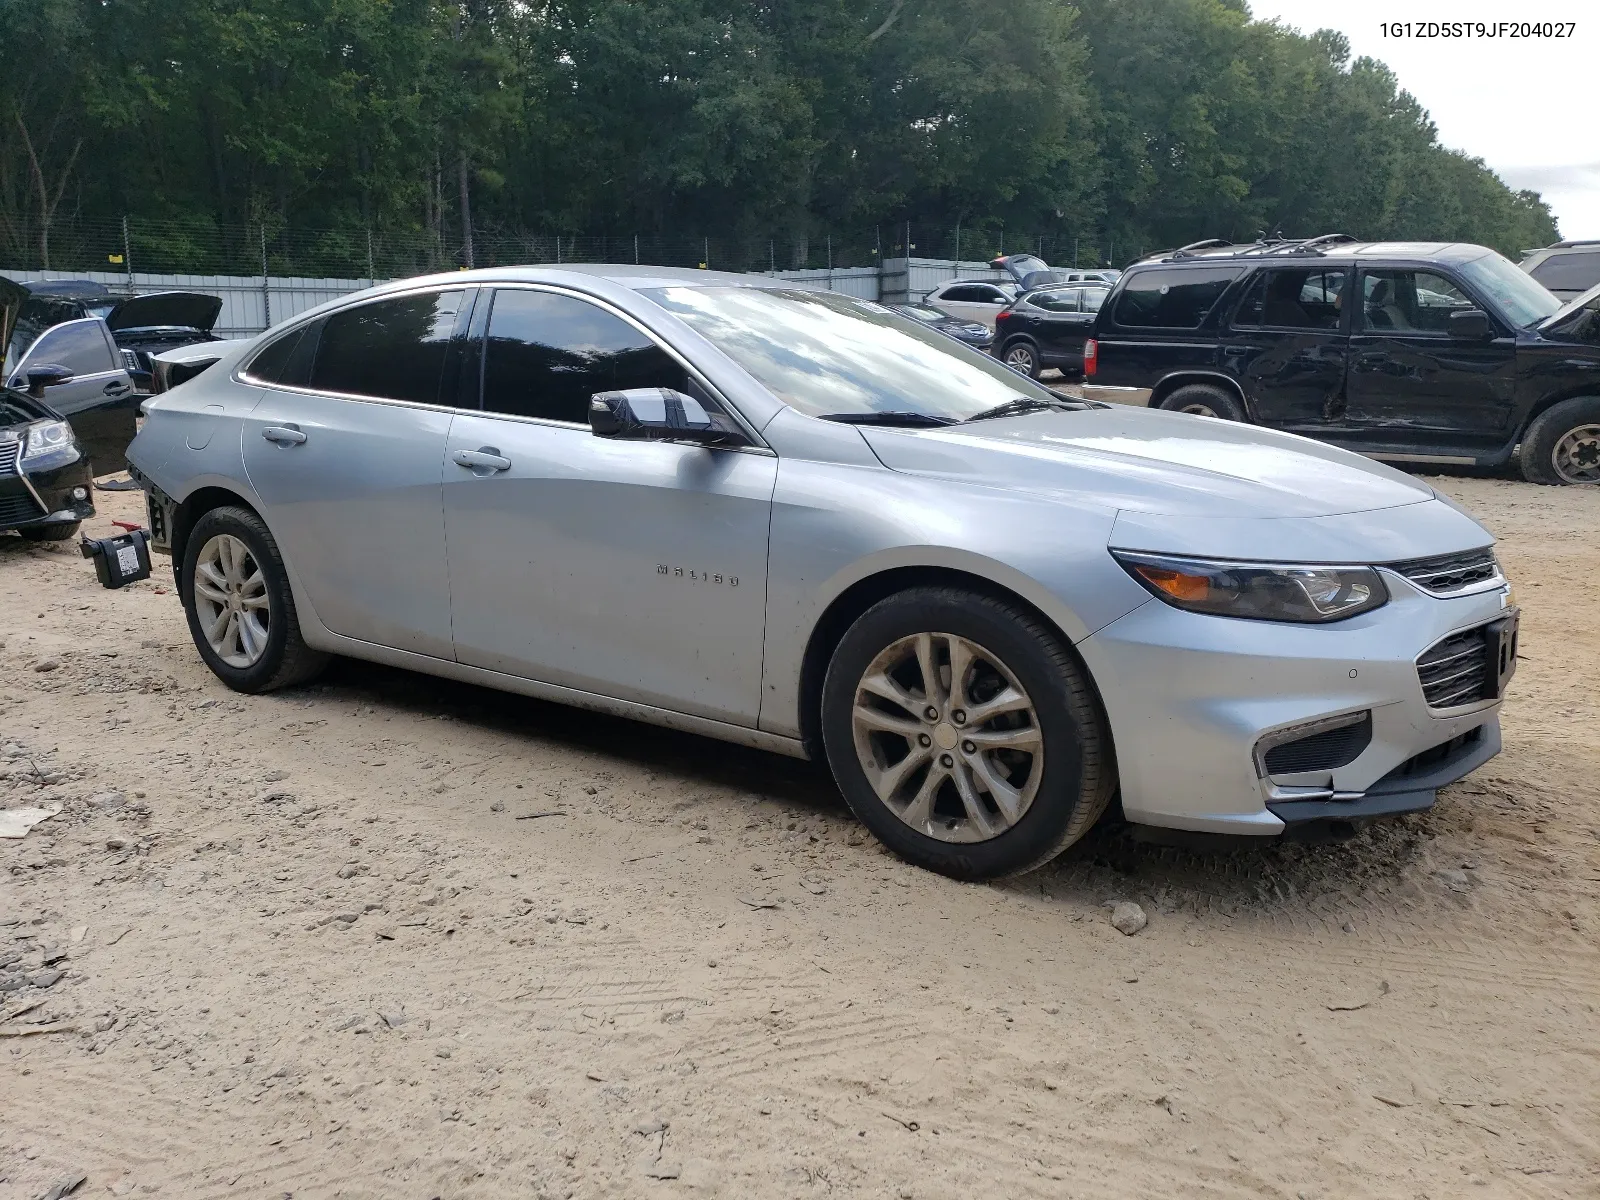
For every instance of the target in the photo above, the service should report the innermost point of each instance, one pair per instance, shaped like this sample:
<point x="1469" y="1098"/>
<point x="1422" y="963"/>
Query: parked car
<point x="45" y="484"/>
<point x="1453" y="355"/>
<point x="793" y="519"/>
<point x="141" y="325"/>
<point x="970" y="332"/>
<point x="976" y="300"/>
<point x="1047" y="327"/>
<point x="77" y="369"/>
<point x="1567" y="269"/>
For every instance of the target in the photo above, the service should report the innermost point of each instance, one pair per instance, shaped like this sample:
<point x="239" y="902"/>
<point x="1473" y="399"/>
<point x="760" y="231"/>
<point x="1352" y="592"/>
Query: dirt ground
<point x="391" y="937"/>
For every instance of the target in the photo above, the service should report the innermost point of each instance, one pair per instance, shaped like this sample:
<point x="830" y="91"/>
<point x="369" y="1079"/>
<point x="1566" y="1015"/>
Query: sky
<point x="1518" y="104"/>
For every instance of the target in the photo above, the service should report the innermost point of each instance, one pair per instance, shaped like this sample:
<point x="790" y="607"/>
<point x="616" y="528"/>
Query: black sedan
<point x="1047" y="328"/>
<point x="969" y="332"/>
<point x="44" y="476"/>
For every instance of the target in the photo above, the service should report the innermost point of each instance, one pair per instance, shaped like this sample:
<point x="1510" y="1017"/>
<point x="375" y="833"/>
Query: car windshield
<point x="1522" y="298"/>
<point x="828" y="354"/>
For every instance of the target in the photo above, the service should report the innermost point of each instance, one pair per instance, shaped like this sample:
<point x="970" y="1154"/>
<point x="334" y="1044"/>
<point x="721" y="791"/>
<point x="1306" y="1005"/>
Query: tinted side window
<point x="1569" y="272"/>
<point x="547" y="354"/>
<point x="1293" y="300"/>
<point x="267" y="366"/>
<point x="965" y="294"/>
<point x="394" y="349"/>
<point x="81" y="346"/>
<point x="1093" y="298"/>
<point x="1177" y="299"/>
<point x="1059" y="302"/>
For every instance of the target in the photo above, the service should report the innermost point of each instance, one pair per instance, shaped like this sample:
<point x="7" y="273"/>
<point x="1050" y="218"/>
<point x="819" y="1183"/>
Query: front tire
<point x="59" y="532"/>
<point x="1021" y="356"/>
<point x="241" y="611"/>
<point x="1562" y="446"/>
<point x="962" y="731"/>
<point x="1204" y="400"/>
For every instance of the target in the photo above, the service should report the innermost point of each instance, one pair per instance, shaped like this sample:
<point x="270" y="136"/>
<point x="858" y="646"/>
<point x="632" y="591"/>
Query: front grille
<point x="1325" y="751"/>
<point x="1421" y="764"/>
<point x="14" y="510"/>
<point x="9" y="450"/>
<point x="1456" y="671"/>
<point x="1449" y="573"/>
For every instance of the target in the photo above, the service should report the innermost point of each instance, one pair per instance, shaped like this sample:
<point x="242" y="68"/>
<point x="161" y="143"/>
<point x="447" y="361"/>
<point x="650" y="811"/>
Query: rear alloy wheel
<point x="1021" y="356"/>
<point x="1203" y="400"/>
<point x="241" y="612"/>
<point x="963" y="733"/>
<point x="1562" y="446"/>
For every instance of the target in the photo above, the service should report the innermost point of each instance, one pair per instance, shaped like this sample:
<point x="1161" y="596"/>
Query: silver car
<point x="796" y="520"/>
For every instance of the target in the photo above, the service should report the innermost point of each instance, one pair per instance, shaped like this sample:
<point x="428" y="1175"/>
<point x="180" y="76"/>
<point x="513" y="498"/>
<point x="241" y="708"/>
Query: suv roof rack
<point x="1574" y="242"/>
<point x="1263" y="245"/>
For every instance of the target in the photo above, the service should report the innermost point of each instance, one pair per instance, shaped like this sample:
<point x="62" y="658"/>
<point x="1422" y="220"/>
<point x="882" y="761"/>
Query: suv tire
<point x="1023" y="356"/>
<point x="950" y="794"/>
<point x="1562" y="446"/>
<point x="1204" y="400"/>
<point x="59" y="532"/>
<point x="234" y="574"/>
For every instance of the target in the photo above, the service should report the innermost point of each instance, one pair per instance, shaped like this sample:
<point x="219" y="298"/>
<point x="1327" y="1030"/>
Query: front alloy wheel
<point x="947" y="738"/>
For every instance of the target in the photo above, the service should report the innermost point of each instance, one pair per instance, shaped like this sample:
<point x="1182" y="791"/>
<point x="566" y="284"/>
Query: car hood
<point x="1155" y="462"/>
<point x="170" y="310"/>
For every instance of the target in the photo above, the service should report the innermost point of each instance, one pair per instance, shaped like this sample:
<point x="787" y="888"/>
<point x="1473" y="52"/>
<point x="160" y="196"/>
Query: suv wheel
<point x="59" y="532"/>
<point x="241" y="612"/>
<point x="1021" y="356"/>
<point x="1204" y="400"/>
<point x="1563" y="443"/>
<point x="964" y="734"/>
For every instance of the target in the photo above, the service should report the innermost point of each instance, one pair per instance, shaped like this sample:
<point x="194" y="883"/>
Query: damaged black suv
<point x="1410" y="352"/>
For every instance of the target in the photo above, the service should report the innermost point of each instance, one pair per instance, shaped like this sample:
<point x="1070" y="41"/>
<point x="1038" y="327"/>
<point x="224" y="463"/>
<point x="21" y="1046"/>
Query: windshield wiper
<point x="892" y="418"/>
<point x="1023" y="404"/>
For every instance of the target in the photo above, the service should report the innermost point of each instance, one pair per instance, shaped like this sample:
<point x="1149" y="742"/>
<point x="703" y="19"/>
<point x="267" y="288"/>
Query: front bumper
<point x="58" y="496"/>
<point x="1190" y="698"/>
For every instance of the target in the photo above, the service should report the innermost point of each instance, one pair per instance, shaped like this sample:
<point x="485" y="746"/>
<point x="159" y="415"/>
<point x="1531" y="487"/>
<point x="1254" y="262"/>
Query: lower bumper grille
<point x="1469" y="666"/>
<point x="18" y="510"/>
<point x="1326" y="750"/>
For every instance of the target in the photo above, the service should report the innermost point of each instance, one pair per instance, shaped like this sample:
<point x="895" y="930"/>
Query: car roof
<point x="629" y="275"/>
<point x="1324" y="251"/>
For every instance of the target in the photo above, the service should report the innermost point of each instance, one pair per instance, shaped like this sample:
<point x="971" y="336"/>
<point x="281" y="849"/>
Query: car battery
<point x="119" y="560"/>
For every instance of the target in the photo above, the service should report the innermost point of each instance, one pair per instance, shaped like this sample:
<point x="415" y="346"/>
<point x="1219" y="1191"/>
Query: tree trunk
<point x="466" y="211"/>
<point x="47" y="203"/>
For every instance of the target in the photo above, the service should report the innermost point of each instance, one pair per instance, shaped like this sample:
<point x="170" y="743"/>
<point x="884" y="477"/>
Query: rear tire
<point x="988" y="794"/>
<point x="1022" y="356"/>
<point x="1204" y="400"/>
<point x="59" y="532"/>
<point x="1562" y="446"/>
<point x="234" y="584"/>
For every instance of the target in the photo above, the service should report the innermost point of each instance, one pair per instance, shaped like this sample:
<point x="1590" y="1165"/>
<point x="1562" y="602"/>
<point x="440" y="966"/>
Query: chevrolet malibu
<point x="796" y="520"/>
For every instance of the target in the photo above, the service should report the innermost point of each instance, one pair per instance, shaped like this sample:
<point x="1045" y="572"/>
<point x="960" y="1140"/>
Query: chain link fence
<point x="199" y="247"/>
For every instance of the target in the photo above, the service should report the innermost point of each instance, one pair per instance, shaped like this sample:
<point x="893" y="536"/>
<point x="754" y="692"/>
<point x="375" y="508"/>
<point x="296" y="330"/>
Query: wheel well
<point x="1173" y="382"/>
<point x="1545" y="405"/>
<point x="202" y="501"/>
<point x="862" y="595"/>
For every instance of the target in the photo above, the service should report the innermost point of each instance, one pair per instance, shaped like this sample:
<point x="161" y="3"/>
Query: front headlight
<point x="1258" y="591"/>
<point x="49" y="444"/>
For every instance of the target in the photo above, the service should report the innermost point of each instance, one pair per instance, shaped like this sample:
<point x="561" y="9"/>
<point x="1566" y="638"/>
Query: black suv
<point x="1450" y="355"/>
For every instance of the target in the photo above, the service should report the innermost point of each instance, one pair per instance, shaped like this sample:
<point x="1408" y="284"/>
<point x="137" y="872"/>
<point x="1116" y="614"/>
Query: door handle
<point x="283" y="435"/>
<point x="480" y="460"/>
<point x="117" y="388"/>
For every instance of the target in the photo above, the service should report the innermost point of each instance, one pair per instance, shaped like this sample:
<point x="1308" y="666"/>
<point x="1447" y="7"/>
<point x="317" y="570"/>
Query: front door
<point x="1287" y="346"/>
<point x="98" y="401"/>
<point x="1414" y="386"/>
<point x="635" y="570"/>
<point x="348" y="470"/>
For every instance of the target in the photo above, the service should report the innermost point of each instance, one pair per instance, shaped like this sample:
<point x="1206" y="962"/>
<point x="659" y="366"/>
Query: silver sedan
<point x="797" y="520"/>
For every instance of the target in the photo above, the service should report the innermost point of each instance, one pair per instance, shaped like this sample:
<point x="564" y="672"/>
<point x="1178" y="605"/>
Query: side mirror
<point x="660" y="415"/>
<point x="1471" y="325"/>
<point x="46" y="375"/>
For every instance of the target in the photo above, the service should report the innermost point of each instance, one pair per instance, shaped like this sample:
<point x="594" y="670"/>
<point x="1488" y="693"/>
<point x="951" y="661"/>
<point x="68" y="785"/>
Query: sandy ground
<point x="390" y="937"/>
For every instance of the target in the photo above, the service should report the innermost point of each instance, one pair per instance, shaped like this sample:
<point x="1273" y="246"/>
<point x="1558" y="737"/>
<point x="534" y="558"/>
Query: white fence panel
<point x="925" y="274"/>
<point x="853" y="281"/>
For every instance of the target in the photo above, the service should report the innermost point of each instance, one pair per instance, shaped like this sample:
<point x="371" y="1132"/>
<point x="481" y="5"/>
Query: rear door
<point x="1412" y="385"/>
<point x="1288" y="345"/>
<point x="99" y="400"/>
<point x="346" y="451"/>
<point x="1060" y="325"/>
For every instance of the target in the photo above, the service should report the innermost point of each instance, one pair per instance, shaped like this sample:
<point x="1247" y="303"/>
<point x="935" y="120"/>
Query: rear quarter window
<point x="1569" y="272"/>
<point x="1172" y="299"/>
